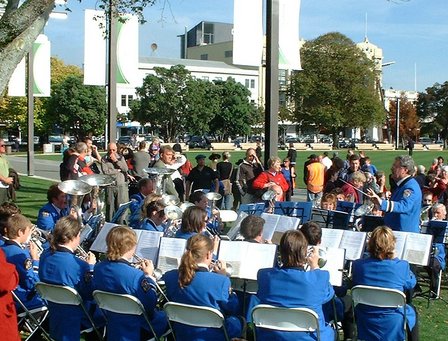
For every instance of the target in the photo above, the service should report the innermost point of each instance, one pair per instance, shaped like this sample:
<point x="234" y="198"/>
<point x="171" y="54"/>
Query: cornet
<point x="157" y="274"/>
<point x="81" y="253"/>
<point x="229" y="267"/>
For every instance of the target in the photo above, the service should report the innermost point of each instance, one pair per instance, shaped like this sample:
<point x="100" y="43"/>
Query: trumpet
<point x="81" y="253"/>
<point x="38" y="238"/>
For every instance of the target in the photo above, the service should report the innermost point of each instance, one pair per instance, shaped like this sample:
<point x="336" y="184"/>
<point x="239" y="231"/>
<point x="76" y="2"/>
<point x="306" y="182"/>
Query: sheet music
<point x="170" y="253"/>
<point x="353" y="243"/>
<point x="247" y="258"/>
<point x="271" y="221"/>
<point x="331" y="237"/>
<point x="148" y="244"/>
<point x="235" y="229"/>
<point x="399" y="243"/>
<point x="85" y="232"/>
<point x="335" y="263"/>
<point x="418" y="248"/>
<point x="99" y="244"/>
<point x="275" y="225"/>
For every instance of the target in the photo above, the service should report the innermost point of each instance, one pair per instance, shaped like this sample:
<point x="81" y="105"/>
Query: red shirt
<point x="8" y="318"/>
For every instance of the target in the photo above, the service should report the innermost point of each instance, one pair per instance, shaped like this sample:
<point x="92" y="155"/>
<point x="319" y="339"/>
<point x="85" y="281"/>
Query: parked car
<point x="126" y="140"/>
<point x="425" y="140"/>
<point x="199" y="142"/>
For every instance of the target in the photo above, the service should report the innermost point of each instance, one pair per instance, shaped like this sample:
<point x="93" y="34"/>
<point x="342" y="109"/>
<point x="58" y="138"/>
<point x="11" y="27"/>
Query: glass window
<point x="228" y="54"/>
<point x="204" y="56"/>
<point x="252" y="83"/>
<point x="123" y="100"/>
<point x="247" y="83"/>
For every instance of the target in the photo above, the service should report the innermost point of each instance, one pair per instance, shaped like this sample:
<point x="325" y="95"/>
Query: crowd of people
<point x="201" y="278"/>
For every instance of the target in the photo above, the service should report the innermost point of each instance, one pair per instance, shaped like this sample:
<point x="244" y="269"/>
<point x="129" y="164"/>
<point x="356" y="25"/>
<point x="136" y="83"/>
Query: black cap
<point x="214" y="156"/>
<point x="312" y="156"/>
<point x="200" y="156"/>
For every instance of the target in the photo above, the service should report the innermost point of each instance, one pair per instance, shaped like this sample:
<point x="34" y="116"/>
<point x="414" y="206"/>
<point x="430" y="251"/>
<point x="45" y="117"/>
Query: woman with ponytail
<point x="59" y="265"/>
<point x="194" y="284"/>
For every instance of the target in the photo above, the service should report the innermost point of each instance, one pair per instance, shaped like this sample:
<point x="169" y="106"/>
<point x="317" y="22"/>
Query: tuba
<point x="75" y="191"/>
<point x="162" y="175"/>
<point x="269" y="196"/>
<point x="98" y="182"/>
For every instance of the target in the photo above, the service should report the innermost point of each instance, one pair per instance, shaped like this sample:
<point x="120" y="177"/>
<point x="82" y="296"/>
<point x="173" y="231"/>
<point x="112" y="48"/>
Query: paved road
<point x="47" y="169"/>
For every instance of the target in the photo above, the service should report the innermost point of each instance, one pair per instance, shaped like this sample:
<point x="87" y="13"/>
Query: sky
<point x="412" y="33"/>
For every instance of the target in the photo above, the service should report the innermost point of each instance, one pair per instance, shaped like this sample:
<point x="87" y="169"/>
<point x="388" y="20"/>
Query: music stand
<point x="371" y="222"/>
<point x="436" y="228"/>
<point x="330" y="219"/>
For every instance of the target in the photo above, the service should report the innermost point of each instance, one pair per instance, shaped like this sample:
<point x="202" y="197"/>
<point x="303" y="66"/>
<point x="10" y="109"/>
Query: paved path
<point x="46" y="169"/>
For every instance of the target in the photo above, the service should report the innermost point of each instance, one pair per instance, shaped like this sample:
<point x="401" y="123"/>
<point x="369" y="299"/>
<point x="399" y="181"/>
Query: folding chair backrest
<point x="118" y="303"/>
<point x="120" y="212"/>
<point x="58" y="294"/>
<point x="378" y="297"/>
<point x="285" y="319"/>
<point x="195" y="316"/>
<point x="298" y="209"/>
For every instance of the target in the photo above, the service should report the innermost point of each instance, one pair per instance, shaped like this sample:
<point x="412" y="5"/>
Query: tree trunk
<point x="19" y="29"/>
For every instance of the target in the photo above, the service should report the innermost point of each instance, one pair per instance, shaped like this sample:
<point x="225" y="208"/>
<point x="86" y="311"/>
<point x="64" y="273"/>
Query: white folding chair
<point x="195" y="316"/>
<point x="379" y="297"/>
<point x="62" y="294"/>
<point x="123" y="304"/>
<point x="28" y="319"/>
<point x="286" y="319"/>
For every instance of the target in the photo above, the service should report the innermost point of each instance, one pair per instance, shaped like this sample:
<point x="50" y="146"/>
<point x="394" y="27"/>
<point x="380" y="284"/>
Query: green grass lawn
<point x="433" y="320"/>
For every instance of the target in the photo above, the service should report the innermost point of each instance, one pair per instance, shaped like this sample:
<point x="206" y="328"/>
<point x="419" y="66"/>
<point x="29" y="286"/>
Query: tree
<point x="162" y="100"/>
<point x="432" y="108"/>
<point x="236" y="114"/>
<point x="336" y="88"/>
<point x="13" y="110"/>
<point x="77" y="108"/>
<point x="409" y="121"/>
<point x="22" y="23"/>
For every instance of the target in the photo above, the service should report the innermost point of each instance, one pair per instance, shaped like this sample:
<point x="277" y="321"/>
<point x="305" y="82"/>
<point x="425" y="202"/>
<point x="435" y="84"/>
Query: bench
<point x="366" y="146"/>
<point x="321" y="146"/>
<point x="301" y="146"/>
<point x="419" y="146"/>
<point x="385" y="146"/>
<point x="247" y="145"/>
<point x="222" y="146"/>
<point x="434" y="146"/>
<point x="184" y="146"/>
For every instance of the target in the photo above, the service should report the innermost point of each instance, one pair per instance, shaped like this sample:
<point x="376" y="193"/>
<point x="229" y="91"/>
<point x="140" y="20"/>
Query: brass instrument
<point x="185" y="205"/>
<point x="170" y="200"/>
<point x="174" y="214"/>
<point x="98" y="182"/>
<point x="37" y="239"/>
<point x="229" y="267"/>
<point x="162" y="175"/>
<point x="75" y="191"/>
<point x="270" y="196"/>
<point x="424" y="213"/>
<point x="81" y="253"/>
<point x="157" y="274"/>
<point x="322" y="255"/>
<point x="212" y="197"/>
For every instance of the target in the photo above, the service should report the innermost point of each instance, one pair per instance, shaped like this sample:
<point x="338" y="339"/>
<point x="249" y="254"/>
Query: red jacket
<point x="266" y="177"/>
<point x="8" y="318"/>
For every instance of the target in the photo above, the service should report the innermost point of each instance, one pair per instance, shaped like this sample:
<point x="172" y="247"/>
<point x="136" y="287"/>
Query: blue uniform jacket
<point x="62" y="267"/>
<point x="121" y="277"/>
<point x="135" y="207"/>
<point x="383" y="323"/>
<point x="293" y="288"/>
<point x="184" y="235"/>
<point x="403" y="208"/>
<point x="206" y="289"/>
<point x="149" y="225"/>
<point x="440" y="254"/>
<point x="48" y="216"/>
<point x="27" y="270"/>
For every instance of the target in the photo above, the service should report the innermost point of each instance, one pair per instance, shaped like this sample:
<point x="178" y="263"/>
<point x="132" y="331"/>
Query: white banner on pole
<point x="94" y="48"/>
<point x="127" y="50"/>
<point x="247" y="32"/>
<point x="16" y="85"/>
<point x="289" y="50"/>
<point x="41" y="66"/>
